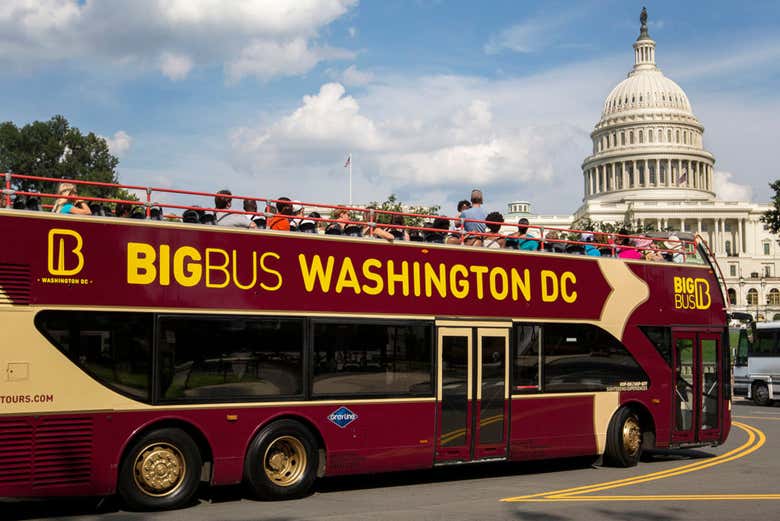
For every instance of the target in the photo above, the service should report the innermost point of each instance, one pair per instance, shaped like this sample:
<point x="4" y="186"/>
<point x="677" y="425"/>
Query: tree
<point x="55" y="149"/>
<point x="392" y="204"/>
<point x="772" y="217"/>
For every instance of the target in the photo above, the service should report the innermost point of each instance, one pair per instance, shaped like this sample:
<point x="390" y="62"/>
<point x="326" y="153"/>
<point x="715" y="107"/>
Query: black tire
<point x="161" y="471"/>
<point x="760" y="394"/>
<point x="624" y="439"/>
<point x="281" y="462"/>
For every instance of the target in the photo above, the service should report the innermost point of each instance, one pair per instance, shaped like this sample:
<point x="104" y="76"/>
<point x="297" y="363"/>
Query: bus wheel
<point x="624" y="439"/>
<point x="161" y="471"/>
<point x="760" y="394"/>
<point x="281" y="462"/>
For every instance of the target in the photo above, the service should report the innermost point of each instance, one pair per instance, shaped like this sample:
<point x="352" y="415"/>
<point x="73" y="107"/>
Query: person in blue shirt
<point x="477" y="213"/>
<point x="66" y="205"/>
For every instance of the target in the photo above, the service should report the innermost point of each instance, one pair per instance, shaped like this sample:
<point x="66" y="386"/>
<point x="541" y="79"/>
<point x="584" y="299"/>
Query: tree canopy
<point x="56" y="149"/>
<point x="772" y="217"/>
<point x="392" y="204"/>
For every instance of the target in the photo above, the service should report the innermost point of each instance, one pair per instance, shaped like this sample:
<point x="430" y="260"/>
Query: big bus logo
<point x="65" y="257"/>
<point x="691" y="293"/>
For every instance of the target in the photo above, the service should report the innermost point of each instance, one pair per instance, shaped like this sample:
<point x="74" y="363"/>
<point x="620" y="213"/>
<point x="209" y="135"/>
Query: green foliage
<point x="392" y="204"/>
<point x="55" y="149"/>
<point x="772" y="217"/>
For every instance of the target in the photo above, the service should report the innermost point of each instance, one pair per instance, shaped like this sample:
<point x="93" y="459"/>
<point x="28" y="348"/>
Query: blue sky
<point x="432" y="98"/>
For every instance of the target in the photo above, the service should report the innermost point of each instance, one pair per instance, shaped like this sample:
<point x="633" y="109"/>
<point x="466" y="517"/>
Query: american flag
<point x="349" y="161"/>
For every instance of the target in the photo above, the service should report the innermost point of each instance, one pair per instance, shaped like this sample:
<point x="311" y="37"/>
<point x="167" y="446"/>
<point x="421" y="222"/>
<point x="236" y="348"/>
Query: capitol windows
<point x="631" y="137"/>
<point x="773" y="299"/>
<point x="732" y="270"/>
<point x="732" y="296"/>
<point x="613" y="139"/>
<point x="728" y="248"/>
<point x="752" y="297"/>
<point x="660" y="135"/>
<point x="669" y="135"/>
<point x="641" y="137"/>
<point x="650" y="136"/>
<point x="677" y="138"/>
<point x="766" y="247"/>
<point x="622" y="138"/>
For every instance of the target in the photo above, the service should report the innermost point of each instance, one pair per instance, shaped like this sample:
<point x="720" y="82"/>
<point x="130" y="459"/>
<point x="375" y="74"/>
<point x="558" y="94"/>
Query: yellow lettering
<point x="165" y="265"/>
<point x="702" y="293"/>
<point x="522" y="284"/>
<point x="393" y="278"/>
<point x="60" y="268"/>
<point x="567" y="295"/>
<point x="479" y="271"/>
<point x="254" y="271"/>
<point x="416" y="278"/>
<point x="459" y="287"/>
<point x="140" y="263"/>
<point x="689" y="285"/>
<point x="678" y="285"/>
<point x="190" y="274"/>
<point x="549" y="286"/>
<point x="376" y="278"/>
<point x="277" y="274"/>
<point x="433" y="279"/>
<point x="495" y="292"/>
<point x="316" y="273"/>
<point x="210" y="266"/>
<point x="347" y="277"/>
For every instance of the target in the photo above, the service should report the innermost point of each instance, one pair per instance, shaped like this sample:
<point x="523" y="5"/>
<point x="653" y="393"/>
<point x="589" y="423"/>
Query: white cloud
<point x="728" y="190"/>
<point x="174" y="35"/>
<point x="266" y="59"/>
<point x="352" y="31"/>
<point x="534" y="33"/>
<point x="351" y="76"/>
<point x="175" y="66"/>
<point x="119" y="143"/>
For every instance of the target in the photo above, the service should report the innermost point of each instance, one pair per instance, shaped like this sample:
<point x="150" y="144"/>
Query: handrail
<point x="456" y="229"/>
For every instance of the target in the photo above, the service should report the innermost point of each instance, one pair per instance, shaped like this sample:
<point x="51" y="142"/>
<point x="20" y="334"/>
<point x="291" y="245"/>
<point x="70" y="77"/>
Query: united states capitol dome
<point x="648" y="143"/>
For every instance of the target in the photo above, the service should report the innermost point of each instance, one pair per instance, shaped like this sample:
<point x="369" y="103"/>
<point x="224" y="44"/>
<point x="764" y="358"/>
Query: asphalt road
<point x="734" y="482"/>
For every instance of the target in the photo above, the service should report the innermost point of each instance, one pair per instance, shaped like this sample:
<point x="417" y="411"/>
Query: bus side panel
<point x="550" y="426"/>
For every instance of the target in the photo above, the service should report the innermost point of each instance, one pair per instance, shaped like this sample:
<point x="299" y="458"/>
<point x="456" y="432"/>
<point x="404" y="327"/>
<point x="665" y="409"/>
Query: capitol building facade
<point x="649" y="162"/>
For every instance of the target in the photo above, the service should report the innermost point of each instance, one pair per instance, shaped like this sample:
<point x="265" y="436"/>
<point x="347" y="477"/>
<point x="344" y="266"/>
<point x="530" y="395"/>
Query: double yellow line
<point x="755" y="440"/>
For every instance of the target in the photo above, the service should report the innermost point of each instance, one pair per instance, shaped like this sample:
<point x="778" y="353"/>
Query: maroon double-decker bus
<point x="144" y="357"/>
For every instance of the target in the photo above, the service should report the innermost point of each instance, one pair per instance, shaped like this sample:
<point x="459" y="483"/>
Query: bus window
<point x="229" y="358"/>
<point x="661" y="338"/>
<point x="582" y="357"/>
<point x="526" y="366"/>
<point x="361" y="358"/>
<point x="113" y="347"/>
<point x="766" y="343"/>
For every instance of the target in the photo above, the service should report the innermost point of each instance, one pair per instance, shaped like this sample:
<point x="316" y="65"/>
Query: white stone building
<point x="649" y="159"/>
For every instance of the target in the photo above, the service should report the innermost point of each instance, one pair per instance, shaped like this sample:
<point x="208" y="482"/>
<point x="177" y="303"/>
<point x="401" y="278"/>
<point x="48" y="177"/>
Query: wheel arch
<point x="204" y="447"/>
<point x="646" y="420"/>
<point x="308" y="424"/>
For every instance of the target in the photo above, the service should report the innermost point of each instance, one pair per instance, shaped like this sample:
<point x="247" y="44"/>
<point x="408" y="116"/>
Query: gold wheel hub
<point x="284" y="461"/>
<point x="159" y="469"/>
<point x="632" y="436"/>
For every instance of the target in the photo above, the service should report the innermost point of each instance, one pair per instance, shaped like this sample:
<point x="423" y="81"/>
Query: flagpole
<point x="350" y="178"/>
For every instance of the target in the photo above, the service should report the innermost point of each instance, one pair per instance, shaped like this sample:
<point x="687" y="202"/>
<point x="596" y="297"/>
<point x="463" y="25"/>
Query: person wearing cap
<point x="675" y="244"/>
<point x="223" y="201"/>
<point x="588" y="247"/>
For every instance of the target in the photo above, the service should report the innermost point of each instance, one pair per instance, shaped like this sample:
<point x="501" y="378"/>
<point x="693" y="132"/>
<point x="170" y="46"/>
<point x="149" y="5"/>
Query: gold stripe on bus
<point x="628" y="293"/>
<point x="480" y="322"/>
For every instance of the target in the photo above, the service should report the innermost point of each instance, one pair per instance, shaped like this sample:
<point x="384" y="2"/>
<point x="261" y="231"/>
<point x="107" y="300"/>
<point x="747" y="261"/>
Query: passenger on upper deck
<point x="281" y="219"/>
<point x="589" y="248"/>
<point x="223" y="201"/>
<point x="440" y="223"/>
<point x="495" y="220"/>
<point x="250" y="205"/>
<point x="63" y="205"/>
<point x="627" y="249"/>
<point x="399" y="234"/>
<point x="522" y="240"/>
<point x="674" y="243"/>
<point x="476" y="212"/>
<point x="455" y="226"/>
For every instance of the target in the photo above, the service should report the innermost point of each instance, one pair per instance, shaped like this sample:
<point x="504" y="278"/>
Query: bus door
<point x="472" y="393"/>
<point x="698" y="366"/>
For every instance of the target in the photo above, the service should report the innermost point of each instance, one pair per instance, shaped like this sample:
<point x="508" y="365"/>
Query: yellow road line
<point x="758" y="418"/>
<point x="755" y="440"/>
